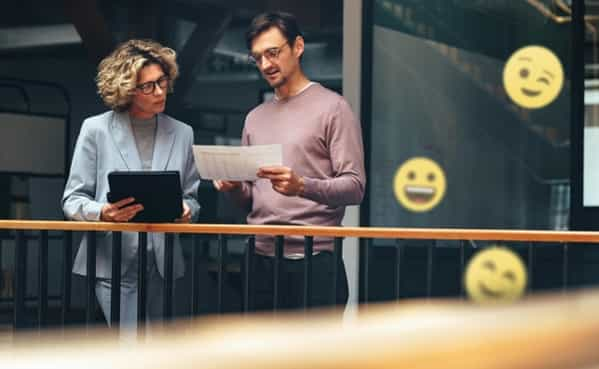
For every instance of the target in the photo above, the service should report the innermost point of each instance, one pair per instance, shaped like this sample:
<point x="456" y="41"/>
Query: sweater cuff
<point x="310" y="188"/>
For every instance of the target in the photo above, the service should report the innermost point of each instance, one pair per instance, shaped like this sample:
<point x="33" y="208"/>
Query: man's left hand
<point x="186" y="216"/>
<point x="283" y="180"/>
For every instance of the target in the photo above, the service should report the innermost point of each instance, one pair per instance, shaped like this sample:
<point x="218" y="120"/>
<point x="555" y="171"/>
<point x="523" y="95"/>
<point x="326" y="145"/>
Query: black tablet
<point x="158" y="191"/>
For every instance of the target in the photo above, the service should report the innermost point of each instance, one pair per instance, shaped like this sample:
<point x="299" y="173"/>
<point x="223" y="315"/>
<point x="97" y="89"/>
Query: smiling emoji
<point x="419" y="184"/>
<point x="533" y="77"/>
<point x="495" y="275"/>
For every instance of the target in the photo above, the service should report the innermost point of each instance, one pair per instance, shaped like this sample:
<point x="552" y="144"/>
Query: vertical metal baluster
<point x="115" y="290"/>
<point x="42" y="301"/>
<point x="366" y="253"/>
<point x="222" y="263"/>
<point x="195" y="274"/>
<point x="67" y="255"/>
<point x="167" y="308"/>
<point x="307" y="293"/>
<point x="249" y="266"/>
<point x="430" y="262"/>
<point x="399" y="248"/>
<point x="565" y="267"/>
<point x="337" y="259"/>
<point x="90" y="308"/>
<point x="142" y="283"/>
<point x="279" y="249"/>
<point x="530" y="263"/>
<point x="462" y="268"/>
<point x="20" y="282"/>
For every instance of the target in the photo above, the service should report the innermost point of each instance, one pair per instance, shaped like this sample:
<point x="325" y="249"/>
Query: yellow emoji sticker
<point x="419" y="184"/>
<point x="533" y="77"/>
<point x="495" y="275"/>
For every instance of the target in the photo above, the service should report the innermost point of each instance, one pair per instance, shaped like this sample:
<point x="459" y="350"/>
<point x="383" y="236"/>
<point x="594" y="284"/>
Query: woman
<point x="133" y="82"/>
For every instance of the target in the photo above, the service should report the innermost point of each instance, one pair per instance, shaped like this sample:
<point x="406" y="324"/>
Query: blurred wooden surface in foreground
<point x="554" y="331"/>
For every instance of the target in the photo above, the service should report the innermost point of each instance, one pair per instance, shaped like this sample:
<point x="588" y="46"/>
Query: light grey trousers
<point x="129" y="286"/>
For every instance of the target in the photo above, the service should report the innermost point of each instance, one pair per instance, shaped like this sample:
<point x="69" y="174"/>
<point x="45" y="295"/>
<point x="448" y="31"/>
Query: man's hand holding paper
<point x="284" y="180"/>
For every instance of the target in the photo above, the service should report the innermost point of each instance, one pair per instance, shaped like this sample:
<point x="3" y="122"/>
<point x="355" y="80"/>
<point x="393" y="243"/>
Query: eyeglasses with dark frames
<point x="149" y="87"/>
<point x="272" y="53"/>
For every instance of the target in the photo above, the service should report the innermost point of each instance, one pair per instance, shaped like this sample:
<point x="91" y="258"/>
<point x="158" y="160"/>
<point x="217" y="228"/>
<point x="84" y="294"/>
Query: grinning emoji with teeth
<point x="419" y="184"/>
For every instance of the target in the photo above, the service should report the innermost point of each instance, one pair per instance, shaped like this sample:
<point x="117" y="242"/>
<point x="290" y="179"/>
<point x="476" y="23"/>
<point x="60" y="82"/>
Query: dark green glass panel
<point x="437" y="92"/>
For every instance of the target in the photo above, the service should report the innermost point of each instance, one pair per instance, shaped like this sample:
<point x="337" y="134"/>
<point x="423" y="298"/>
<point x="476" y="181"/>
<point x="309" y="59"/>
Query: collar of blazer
<point x="120" y="128"/>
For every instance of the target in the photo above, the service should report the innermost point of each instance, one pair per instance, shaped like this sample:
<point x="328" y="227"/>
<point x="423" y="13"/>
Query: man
<point x="134" y="134"/>
<point x="323" y="165"/>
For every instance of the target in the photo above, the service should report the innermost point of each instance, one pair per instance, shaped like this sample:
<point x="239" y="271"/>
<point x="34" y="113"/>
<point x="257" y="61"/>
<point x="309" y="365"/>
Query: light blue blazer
<point x="106" y="143"/>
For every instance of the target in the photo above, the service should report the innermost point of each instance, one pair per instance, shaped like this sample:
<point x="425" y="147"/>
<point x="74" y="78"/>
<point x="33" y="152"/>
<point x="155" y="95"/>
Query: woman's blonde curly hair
<point x="117" y="73"/>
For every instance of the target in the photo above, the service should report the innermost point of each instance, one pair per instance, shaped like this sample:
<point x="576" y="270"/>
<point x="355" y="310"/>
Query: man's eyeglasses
<point x="149" y="87"/>
<point x="271" y="54"/>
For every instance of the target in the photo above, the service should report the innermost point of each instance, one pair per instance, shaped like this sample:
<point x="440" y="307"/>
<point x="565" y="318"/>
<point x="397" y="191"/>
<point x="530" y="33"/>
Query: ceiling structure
<point x="207" y="35"/>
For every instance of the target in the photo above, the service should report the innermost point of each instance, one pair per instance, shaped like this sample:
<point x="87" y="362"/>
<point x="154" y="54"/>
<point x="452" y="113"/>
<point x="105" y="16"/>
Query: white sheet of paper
<point x="235" y="163"/>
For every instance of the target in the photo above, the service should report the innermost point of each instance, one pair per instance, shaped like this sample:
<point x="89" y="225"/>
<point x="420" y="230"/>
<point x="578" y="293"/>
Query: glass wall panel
<point x="470" y="114"/>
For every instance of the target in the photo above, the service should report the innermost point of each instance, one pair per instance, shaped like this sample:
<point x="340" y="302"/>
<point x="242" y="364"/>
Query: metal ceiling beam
<point x="144" y="18"/>
<point x="211" y="22"/>
<point x="91" y="26"/>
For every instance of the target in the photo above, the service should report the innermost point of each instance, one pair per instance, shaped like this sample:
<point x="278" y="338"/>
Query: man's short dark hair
<point x="285" y="22"/>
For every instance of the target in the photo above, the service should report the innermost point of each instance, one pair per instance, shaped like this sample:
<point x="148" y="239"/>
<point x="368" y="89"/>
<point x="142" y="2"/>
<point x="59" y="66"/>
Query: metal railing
<point x="41" y="230"/>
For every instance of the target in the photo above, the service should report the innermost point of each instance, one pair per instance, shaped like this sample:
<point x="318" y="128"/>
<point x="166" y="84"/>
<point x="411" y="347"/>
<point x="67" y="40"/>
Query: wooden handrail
<point x="362" y="232"/>
<point x="551" y="332"/>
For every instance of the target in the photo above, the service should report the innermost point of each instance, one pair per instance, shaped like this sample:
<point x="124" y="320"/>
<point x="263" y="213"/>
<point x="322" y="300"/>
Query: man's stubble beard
<point x="279" y="83"/>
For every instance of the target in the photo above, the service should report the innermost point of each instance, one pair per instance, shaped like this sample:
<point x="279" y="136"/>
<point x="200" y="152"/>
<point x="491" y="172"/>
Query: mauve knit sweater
<point x="322" y="142"/>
